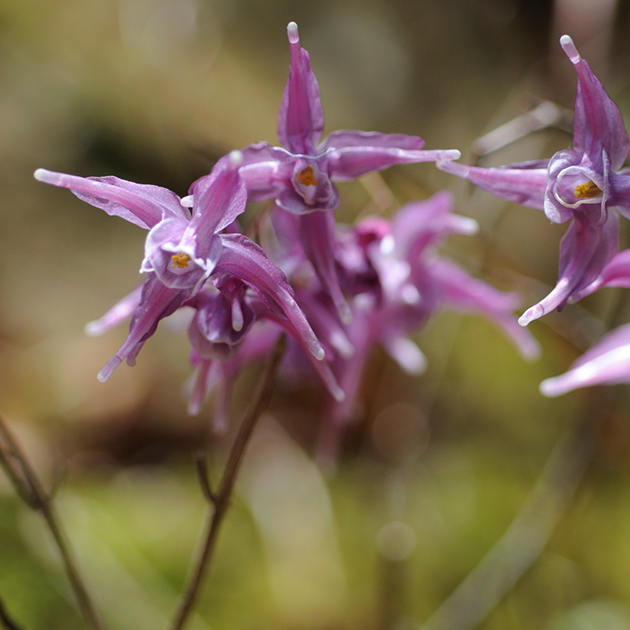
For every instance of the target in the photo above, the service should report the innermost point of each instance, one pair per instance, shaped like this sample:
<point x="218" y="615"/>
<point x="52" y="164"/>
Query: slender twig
<point x="6" y="621"/>
<point x="221" y="498"/>
<point x="201" y="462"/>
<point x="28" y="486"/>
<point x="526" y="537"/>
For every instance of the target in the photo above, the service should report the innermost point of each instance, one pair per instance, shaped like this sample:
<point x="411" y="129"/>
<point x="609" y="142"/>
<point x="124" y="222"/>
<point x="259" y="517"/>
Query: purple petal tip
<point x="109" y="368"/>
<point x="293" y="33"/>
<point x="569" y="48"/>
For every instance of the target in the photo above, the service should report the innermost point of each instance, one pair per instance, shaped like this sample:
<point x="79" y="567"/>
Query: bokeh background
<point x="436" y="469"/>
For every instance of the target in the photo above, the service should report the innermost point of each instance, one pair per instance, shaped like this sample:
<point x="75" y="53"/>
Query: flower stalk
<point x="220" y="500"/>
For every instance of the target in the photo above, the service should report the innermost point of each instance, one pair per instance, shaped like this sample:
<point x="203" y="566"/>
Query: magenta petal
<point x="346" y="138"/>
<point x="244" y="259"/>
<point x="116" y="314"/>
<point x="266" y="170"/>
<point x="318" y="240"/>
<point x="141" y="204"/>
<point x="615" y="274"/>
<point x="218" y="199"/>
<point x="584" y="252"/>
<point x="523" y="183"/>
<point x="597" y="122"/>
<point x="301" y="117"/>
<point x="157" y="302"/>
<point x="351" y="154"/>
<point x="464" y="293"/>
<point x="606" y="363"/>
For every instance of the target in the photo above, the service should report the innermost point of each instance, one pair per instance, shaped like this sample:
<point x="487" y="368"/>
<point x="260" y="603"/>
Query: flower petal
<point x="317" y="234"/>
<point x="116" y="314"/>
<point x="244" y="259"/>
<point x="523" y="183"/>
<point x="266" y="170"/>
<point x="464" y="293"/>
<point x="351" y="154"/>
<point x="605" y="363"/>
<point x="584" y="252"/>
<point x="141" y="204"/>
<point x="218" y="199"/>
<point x="597" y="122"/>
<point x="301" y="117"/>
<point x="157" y="301"/>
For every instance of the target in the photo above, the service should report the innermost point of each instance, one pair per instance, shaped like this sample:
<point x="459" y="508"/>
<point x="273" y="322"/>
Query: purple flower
<point x="606" y="363"/>
<point x="183" y="249"/>
<point x="585" y="183"/>
<point x="300" y="173"/>
<point x="398" y="282"/>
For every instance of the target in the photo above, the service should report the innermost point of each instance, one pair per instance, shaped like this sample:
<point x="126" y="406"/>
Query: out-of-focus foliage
<point x="155" y="91"/>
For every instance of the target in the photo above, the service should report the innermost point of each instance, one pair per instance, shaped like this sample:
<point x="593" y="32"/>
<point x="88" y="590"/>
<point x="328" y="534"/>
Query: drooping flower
<point x="585" y="184"/>
<point x="605" y="363"/>
<point x="300" y="173"/>
<point x="398" y="282"/>
<point x="183" y="250"/>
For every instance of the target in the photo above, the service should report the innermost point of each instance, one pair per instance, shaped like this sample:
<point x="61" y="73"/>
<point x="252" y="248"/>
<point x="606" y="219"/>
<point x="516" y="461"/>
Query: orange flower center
<point x="306" y="177"/>
<point x="180" y="260"/>
<point x="587" y="190"/>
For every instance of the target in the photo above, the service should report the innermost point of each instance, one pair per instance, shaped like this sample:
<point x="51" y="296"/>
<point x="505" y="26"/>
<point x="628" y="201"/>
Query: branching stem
<point x="27" y="484"/>
<point x="220" y="500"/>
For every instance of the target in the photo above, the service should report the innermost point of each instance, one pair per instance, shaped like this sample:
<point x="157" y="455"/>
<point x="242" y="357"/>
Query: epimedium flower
<point x="183" y="249"/>
<point x="605" y="363"/>
<point x="398" y="281"/>
<point x="585" y="185"/>
<point x="300" y="173"/>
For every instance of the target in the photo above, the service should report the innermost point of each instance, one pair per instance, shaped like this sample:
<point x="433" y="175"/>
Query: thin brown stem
<point x="221" y="499"/>
<point x="27" y="484"/>
<point x="6" y="621"/>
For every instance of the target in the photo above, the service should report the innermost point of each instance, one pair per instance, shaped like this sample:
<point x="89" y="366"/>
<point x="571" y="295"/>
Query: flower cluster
<point x="336" y="291"/>
<point x="588" y="187"/>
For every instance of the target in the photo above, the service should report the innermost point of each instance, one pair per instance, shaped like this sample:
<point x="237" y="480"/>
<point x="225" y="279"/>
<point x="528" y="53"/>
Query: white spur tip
<point x="293" y="33"/>
<point x="48" y="177"/>
<point x="569" y="48"/>
<point x="236" y="159"/>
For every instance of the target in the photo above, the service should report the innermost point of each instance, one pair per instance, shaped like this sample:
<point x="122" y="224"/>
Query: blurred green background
<point x="436" y="468"/>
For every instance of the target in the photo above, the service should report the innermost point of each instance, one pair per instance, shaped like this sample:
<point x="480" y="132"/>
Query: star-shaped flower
<point x="586" y="184"/>
<point x="184" y="249"/>
<point x="300" y="173"/>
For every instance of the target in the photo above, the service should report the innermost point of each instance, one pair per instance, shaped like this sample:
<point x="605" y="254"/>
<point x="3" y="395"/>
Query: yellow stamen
<point x="306" y="177"/>
<point x="180" y="260"/>
<point x="587" y="190"/>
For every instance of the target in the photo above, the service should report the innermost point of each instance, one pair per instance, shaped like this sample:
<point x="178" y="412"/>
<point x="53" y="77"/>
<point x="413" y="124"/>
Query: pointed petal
<point x="605" y="363"/>
<point x="597" y="122"/>
<point x="318" y="240"/>
<point x="523" y="183"/>
<point x="301" y="117"/>
<point x="584" y="252"/>
<point x="347" y="138"/>
<point x="157" y="302"/>
<point x="117" y="314"/>
<point x="615" y="274"/>
<point x="464" y="293"/>
<point x="218" y="199"/>
<point x="141" y="204"/>
<point x="419" y="224"/>
<point x="244" y="259"/>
